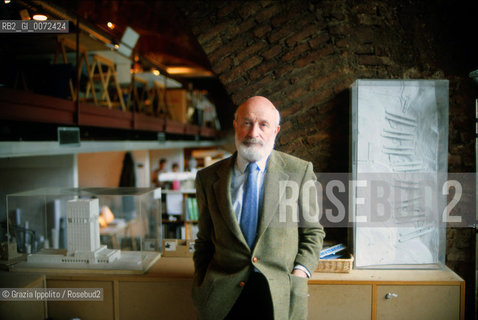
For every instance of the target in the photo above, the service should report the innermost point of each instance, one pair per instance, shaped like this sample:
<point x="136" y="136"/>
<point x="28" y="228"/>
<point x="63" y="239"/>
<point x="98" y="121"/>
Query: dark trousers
<point x="255" y="301"/>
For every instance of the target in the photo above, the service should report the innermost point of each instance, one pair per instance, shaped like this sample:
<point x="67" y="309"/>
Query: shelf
<point x="183" y="228"/>
<point x="173" y="221"/>
<point x="182" y="191"/>
<point x="39" y="148"/>
<point x="17" y="105"/>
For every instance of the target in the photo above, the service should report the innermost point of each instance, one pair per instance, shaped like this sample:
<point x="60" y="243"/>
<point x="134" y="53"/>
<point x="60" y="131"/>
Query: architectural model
<point x="71" y="219"/>
<point x="83" y="231"/>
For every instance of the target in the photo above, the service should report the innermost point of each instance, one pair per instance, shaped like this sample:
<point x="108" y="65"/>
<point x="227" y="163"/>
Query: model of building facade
<point x="83" y="232"/>
<point x="82" y="225"/>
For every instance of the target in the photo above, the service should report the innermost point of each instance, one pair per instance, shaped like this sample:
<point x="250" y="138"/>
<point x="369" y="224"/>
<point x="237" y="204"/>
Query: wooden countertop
<point x="167" y="268"/>
<point x="163" y="268"/>
<point x="172" y="267"/>
<point x="389" y="275"/>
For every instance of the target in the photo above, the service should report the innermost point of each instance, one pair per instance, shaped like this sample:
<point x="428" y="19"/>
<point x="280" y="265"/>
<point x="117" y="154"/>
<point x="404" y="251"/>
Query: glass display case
<point x="86" y="228"/>
<point x="399" y="167"/>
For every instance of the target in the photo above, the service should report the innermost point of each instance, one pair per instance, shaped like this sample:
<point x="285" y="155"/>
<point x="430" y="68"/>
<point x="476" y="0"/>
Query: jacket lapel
<point x="223" y="197"/>
<point x="274" y="174"/>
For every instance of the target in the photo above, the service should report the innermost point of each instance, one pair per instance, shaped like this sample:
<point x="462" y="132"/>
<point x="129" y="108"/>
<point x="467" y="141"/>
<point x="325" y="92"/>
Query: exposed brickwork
<point x="304" y="55"/>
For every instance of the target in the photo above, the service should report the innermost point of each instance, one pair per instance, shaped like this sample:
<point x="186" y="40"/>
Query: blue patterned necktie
<point x="249" y="205"/>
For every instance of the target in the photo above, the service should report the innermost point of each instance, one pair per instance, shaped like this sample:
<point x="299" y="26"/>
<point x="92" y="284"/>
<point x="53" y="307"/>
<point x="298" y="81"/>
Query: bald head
<point x="259" y="104"/>
<point x="256" y="124"/>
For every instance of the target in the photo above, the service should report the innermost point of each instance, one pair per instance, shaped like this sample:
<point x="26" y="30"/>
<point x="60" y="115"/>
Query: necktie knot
<point x="252" y="168"/>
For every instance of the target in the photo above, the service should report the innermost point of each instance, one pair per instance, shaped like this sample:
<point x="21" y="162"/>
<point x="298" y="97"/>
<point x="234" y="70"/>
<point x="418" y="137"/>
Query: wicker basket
<point x="336" y="265"/>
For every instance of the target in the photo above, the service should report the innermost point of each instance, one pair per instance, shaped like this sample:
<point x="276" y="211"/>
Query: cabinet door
<point x="24" y="310"/>
<point x="168" y="299"/>
<point x="82" y="309"/>
<point x="340" y="302"/>
<point x="418" y="302"/>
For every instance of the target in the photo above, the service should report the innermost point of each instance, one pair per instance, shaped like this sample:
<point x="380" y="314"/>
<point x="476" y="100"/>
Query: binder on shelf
<point x="192" y="209"/>
<point x="195" y="208"/>
<point x="194" y="232"/>
<point x="183" y="233"/>
<point x="174" y="204"/>
<point x="332" y="251"/>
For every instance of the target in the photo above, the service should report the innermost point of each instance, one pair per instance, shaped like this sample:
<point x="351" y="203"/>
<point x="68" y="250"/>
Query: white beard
<point x="254" y="152"/>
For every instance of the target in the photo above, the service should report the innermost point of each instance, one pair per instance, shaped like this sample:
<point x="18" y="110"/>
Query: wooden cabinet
<point x="22" y="309"/>
<point x="164" y="292"/>
<point x="418" y="302"/>
<point x="159" y="299"/>
<point x="387" y="294"/>
<point x="82" y="309"/>
<point x="340" y="301"/>
<point x="126" y="299"/>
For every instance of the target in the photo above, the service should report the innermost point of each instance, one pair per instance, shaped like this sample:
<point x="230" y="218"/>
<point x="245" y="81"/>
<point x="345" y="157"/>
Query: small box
<point x="178" y="248"/>
<point x="342" y="265"/>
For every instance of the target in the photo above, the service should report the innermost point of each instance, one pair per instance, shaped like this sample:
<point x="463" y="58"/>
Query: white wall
<point x="141" y="159"/>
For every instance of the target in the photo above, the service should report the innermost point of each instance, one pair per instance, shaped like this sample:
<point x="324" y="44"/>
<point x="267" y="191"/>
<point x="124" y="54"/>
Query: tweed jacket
<point x="222" y="258"/>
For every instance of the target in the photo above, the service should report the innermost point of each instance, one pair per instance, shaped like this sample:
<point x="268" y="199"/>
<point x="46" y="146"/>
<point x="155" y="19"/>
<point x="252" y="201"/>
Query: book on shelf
<point x="333" y="252"/>
<point x="191" y="209"/>
<point x="174" y="204"/>
<point x="182" y="234"/>
<point x="195" y="207"/>
<point x="194" y="232"/>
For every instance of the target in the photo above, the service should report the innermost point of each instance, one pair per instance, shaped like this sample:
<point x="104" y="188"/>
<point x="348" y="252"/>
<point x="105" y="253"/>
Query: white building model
<point x="83" y="232"/>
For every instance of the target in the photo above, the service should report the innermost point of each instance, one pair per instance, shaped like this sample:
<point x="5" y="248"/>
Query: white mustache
<point x="252" y="141"/>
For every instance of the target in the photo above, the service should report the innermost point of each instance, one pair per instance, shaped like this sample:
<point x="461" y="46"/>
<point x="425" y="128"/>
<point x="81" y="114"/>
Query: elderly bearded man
<point x="249" y="263"/>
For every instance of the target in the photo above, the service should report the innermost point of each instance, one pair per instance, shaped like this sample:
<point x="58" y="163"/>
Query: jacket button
<point x="242" y="284"/>
<point x="254" y="259"/>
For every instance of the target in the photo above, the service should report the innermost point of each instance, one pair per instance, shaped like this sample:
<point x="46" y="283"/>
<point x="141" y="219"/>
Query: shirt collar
<point x="242" y="163"/>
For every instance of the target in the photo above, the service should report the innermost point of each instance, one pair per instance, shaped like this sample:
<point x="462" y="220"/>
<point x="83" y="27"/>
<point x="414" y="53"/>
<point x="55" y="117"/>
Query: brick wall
<point x="304" y="55"/>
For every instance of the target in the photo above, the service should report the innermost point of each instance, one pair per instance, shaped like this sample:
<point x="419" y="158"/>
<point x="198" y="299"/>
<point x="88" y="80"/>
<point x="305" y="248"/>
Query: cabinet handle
<point x="391" y="295"/>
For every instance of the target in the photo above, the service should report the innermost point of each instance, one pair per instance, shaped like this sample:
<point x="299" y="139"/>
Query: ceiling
<point x="165" y="40"/>
<point x="164" y="36"/>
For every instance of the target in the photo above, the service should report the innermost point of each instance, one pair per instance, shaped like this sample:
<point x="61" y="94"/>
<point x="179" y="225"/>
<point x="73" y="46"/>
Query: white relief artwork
<point x="400" y="130"/>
